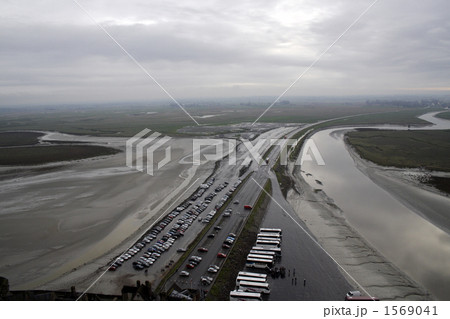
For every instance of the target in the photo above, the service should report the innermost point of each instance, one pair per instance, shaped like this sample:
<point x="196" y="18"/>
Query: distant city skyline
<point x="52" y="52"/>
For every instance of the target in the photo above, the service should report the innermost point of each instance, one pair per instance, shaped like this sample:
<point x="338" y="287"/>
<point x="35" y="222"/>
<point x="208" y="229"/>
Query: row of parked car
<point x="166" y="241"/>
<point x="178" y="229"/>
<point x="202" y="189"/>
<point x="213" y="269"/>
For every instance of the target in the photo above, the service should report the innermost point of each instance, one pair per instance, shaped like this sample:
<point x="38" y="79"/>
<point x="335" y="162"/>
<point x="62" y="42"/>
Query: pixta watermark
<point x="144" y="144"/>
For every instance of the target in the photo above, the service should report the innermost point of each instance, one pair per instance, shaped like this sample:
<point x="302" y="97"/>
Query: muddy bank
<point x="409" y="186"/>
<point x="53" y="221"/>
<point x="368" y="267"/>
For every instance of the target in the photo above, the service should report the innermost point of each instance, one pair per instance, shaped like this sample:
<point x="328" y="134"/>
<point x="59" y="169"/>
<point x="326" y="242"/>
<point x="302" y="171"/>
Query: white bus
<point x="251" y="286"/>
<point x="271" y="230"/>
<point x="269" y="258"/>
<point x="263" y="252"/>
<point x="258" y="263"/>
<point x="252" y="274"/>
<point x="268" y="243"/>
<point x="274" y="249"/>
<point x="268" y="238"/>
<point x="270" y="235"/>
<point x="245" y="278"/>
<point x="237" y="295"/>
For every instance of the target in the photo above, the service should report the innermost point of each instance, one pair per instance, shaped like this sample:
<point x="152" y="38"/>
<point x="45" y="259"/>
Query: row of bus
<point x="249" y="287"/>
<point x="267" y="249"/>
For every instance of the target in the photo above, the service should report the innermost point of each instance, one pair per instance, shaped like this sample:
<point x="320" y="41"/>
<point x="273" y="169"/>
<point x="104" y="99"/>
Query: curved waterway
<point x="395" y="217"/>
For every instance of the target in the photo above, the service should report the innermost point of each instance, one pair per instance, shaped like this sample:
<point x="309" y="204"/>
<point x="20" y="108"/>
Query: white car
<point x="354" y="293"/>
<point x="212" y="270"/>
<point x="184" y="273"/>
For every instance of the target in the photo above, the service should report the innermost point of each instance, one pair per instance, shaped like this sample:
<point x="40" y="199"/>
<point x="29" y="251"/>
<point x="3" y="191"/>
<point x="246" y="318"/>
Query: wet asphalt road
<point x="302" y="258"/>
<point x="310" y="273"/>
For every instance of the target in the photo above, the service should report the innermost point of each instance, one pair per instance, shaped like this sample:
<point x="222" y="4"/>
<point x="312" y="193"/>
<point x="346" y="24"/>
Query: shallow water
<point x="393" y="226"/>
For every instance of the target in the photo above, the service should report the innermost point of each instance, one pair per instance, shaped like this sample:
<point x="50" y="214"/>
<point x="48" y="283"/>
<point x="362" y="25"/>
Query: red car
<point x="248" y="207"/>
<point x="190" y="266"/>
<point x="221" y="255"/>
<point x="203" y="249"/>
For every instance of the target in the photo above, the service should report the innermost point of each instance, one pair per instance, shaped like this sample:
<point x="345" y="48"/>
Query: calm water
<point x="414" y="244"/>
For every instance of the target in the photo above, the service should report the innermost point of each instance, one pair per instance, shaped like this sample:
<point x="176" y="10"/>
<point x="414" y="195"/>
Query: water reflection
<point x="414" y="244"/>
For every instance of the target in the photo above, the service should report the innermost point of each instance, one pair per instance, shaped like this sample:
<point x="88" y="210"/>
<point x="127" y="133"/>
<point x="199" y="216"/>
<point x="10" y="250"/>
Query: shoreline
<point x="387" y="177"/>
<point x="86" y="213"/>
<point x="373" y="272"/>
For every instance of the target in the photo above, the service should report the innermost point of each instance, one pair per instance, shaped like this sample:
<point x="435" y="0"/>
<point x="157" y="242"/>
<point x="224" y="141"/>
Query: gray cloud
<point x="51" y="52"/>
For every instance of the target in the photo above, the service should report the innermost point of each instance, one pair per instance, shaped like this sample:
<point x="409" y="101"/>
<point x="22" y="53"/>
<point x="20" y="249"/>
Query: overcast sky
<point x="52" y="52"/>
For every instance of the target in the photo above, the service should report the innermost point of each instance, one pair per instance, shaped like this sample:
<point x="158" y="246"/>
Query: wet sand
<point x="405" y="185"/>
<point x="384" y="208"/>
<point x="54" y="221"/>
<point x="374" y="273"/>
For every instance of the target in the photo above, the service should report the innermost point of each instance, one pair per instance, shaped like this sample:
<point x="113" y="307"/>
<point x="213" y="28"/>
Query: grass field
<point x="441" y="183"/>
<point x="444" y="115"/>
<point x="127" y="121"/>
<point x="406" y="149"/>
<point x="36" y="155"/>
<point x="19" y="138"/>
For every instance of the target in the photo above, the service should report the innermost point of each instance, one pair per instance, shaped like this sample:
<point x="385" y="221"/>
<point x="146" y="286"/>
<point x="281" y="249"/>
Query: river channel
<point x="393" y="216"/>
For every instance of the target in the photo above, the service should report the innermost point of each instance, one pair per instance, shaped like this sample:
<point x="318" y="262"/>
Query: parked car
<point x="184" y="273"/>
<point x="206" y="280"/>
<point x="203" y="249"/>
<point x="221" y="255"/>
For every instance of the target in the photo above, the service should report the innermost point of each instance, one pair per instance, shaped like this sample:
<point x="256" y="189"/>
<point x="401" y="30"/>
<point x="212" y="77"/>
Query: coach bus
<point x="237" y="295"/>
<point x="277" y="250"/>
<point x="251" y="286"/>
<point x="252" y="274"/>
<point x="258" y="263"/>
<point x="268" y="243"/>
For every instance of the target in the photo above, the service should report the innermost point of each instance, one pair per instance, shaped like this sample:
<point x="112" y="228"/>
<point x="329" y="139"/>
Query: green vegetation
<point x="413" y="149"/>
<point x="237" y="257"/>
<point x="37" y="155"/>
<point x="19" y="138"/>
<point x="444" y="115"/>
<point x="127" y="121"/>
<point x="440" y="183"/>
<point x="401" y="117"/>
